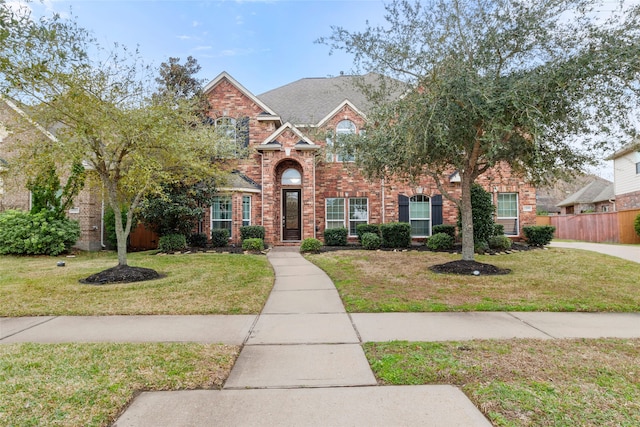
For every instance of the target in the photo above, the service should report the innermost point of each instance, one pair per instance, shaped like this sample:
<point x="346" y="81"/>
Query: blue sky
<point x="263" y="44"/>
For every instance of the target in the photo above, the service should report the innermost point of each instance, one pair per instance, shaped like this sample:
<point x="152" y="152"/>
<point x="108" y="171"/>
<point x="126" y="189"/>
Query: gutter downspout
<point x="102" y="245"/>
<point x="383" y="202"/>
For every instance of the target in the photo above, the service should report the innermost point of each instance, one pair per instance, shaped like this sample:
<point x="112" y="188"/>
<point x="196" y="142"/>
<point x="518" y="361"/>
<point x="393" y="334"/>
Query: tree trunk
<point x="466" y="215"/>
<point x="121" y="236"/>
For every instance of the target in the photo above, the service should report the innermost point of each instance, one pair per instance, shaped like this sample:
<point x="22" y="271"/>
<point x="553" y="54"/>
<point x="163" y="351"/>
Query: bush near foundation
<point x="396" y="235"/>
<point x="251" y="232"/>
<point x="335" y="236"/>
<point x="371" y="241"/>
<point x="539" y="235"/>
<point x="172" y="243"/>
<point x="219" y="237"/>
<point x="440" y="242"/>
<point x="253" y="245"/>
<point x="311" y="245"/>
<point x="23" y="233"/>
<point x="367" y="228"/>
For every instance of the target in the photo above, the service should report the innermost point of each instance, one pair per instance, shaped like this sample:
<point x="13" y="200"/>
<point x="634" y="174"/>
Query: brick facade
<point x="322" y="178"/>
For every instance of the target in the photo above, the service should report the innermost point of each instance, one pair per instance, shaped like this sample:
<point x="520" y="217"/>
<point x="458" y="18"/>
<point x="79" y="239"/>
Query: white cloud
<point x="202" y="48"/>
<point x="196" y="24"/>
<point x="184" y="37"/>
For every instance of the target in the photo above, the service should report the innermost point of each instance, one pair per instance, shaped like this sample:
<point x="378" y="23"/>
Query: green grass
<point x="526" y="382"/>
<point x="541" y="280"/>
<point x="193" y="284"/>
<point x="91" y="384"/>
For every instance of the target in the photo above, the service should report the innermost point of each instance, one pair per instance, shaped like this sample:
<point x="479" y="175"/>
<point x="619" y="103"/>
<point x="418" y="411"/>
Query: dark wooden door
<point x="291" y="220"/>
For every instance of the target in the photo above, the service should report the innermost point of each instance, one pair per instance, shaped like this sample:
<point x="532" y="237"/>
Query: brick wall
<point x="628" y="201"/>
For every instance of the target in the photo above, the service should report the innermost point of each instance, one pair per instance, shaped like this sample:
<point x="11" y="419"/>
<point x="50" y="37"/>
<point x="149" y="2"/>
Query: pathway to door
<point x="303" y="365"/>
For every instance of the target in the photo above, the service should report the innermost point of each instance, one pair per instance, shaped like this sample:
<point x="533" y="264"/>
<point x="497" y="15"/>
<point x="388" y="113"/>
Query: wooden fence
<point x="142" y="239"/>
<point x="604" y="227"/>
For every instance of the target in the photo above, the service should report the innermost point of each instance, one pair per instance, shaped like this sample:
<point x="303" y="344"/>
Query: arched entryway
<point x="289" y="176"/>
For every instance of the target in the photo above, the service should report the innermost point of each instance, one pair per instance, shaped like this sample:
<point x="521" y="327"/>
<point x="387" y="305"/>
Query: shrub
<point x="371" y="241"/>
<point x="198" y="240"/>
<point x="219" y="237"/>
<point x="251" y="232"/>
<point x="444" y="228"/>
<point x="480" y="247"/>
<point x="310" y="245"/>
<point x="539" y="235"/>
<point x="636" y="225"/>
<point x="440" y="241"/>
<point x="502" y="243"/>
<point x="172" y="243"/>
<point x="396" y="234"/>
<point x="22" y="233"/>
<point x="498" y="229"/>
<point x="367" y="228"/>
<point x="335" y="236"/>
<point x="253" y="244"/>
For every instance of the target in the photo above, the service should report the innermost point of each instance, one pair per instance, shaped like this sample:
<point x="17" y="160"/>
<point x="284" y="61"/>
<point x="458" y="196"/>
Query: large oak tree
<point x="542" y="86"/>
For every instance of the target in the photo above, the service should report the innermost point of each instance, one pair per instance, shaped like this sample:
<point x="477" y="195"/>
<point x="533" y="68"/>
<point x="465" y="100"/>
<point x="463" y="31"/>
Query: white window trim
<point x="517" y="217"/>
<point x="421" y="219"/>
<point x="326" y="214"/>
<point x="248" y="220"/>
<point x="358" y="220"/>
<point x="230" y="220"/>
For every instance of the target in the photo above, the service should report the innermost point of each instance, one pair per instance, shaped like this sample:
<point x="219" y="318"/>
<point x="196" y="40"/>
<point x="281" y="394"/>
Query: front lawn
<point x="91" y="384"/>
<point x="541" y="280"/>
<point x="526" y="382"/>
<point x="205" y="283"/>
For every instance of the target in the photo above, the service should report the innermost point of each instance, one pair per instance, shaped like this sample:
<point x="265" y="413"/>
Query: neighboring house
<point x="16" y="126"/>
<point x="626" y="176"/>
<point x="596" y="196"/>
<point x="295" y="184"/>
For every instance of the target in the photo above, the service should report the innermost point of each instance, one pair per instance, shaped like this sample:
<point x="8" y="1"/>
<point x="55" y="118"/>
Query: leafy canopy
<point x="490" y="83"/>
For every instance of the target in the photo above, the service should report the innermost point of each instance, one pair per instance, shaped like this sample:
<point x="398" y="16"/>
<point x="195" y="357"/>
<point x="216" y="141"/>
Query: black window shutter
<point x="243" y="132"/>
<point x="436" y="210"/>
<point x="403" y="208"/>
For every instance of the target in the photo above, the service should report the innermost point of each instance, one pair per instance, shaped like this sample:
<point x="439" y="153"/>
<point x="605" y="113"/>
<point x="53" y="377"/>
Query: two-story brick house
<point x="296" y="185"/>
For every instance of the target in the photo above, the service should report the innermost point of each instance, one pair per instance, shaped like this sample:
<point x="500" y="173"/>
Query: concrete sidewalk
<point x="628" y="252"/>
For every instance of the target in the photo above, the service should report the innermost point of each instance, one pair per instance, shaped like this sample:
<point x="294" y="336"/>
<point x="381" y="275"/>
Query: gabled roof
<point x="311" y="100"/>
<point x="267" y="112"/>
<point x="599" y="190"/>
<point x="271" y="142"/>
<point x="240" y="182"/>
<point x="332" y="113"/>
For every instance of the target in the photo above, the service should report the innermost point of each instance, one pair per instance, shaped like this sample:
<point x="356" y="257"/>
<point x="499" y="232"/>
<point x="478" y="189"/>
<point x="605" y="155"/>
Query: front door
<point x="291" y="215"/>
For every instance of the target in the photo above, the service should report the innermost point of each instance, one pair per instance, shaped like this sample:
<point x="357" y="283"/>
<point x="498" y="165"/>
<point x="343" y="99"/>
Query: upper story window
<point x="638" y="168"/>
<point x="227" y="127"/>
<point x="291" y="177"/>
<point x="335" y="150"/>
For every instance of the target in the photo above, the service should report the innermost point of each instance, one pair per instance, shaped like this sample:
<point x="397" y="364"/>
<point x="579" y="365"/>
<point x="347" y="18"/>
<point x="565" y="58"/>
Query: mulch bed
<point x="471" y="268"/>
<point x="121" y="274"/>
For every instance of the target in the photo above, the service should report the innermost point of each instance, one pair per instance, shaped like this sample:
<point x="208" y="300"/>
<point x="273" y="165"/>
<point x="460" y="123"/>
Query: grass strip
<point x="586" y="382"/>
<point x="90" y="384"/>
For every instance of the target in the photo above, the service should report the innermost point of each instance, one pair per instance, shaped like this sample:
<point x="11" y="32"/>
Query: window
<point x="420" y="216"/>
<point x="638" y="168"/>
<point x="334" y="213"/>
<point x="336" y="151"/>
<point x="227" y="127"/>
<point x="358" y="214"/>
<point x="246" y="210"/>
<point x="508" y="213"/>
<point x="291" y="177"/>
<point x="221" y="213"/>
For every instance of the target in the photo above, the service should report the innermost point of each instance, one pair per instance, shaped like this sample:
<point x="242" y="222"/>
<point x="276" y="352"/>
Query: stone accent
<point x="628" y="201"/>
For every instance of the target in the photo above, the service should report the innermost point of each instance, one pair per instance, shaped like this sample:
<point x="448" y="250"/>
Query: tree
<point x="48" y="194"/>
<point x="178" y="80"/>
<point x="494" y="82"/>
<point x="104" y="113"/>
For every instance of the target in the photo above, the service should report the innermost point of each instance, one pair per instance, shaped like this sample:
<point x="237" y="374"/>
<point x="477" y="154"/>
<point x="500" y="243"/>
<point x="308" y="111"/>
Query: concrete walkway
<point x="302" y="362"/>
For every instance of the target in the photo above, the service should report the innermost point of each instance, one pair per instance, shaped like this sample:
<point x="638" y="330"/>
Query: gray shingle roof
<point x="307" y="101"/>
<point x="597" y="191"/>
